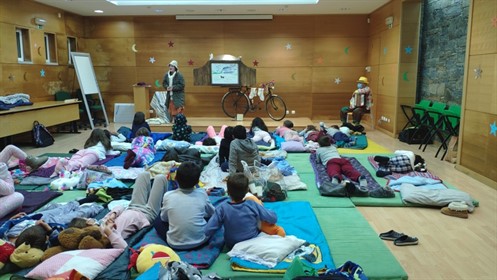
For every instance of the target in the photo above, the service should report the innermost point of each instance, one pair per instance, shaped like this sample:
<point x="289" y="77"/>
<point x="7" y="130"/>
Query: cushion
<point x="256" y="249"/>
<point x="292" y="146"/>
<point x="90" y="262"/>
<point x="154" y="253"/>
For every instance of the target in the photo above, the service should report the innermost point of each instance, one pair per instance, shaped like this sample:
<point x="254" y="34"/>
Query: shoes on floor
<point x="390" y="235"/>
<point x="405" y="240"/>
<point x="456" y="209"/>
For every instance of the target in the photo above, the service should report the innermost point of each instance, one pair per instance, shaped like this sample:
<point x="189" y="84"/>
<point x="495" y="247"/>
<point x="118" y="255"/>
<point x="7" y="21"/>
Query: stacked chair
<point x="435" y="123"/>
<point x="417" y="119"/>
<point x="452" y="119"/>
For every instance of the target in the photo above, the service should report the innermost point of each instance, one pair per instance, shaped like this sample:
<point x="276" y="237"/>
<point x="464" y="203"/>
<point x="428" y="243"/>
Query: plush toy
<point x="68" y="180"/>
<point x="154" y="253"/>
<point x="24" y="256"/>
<point x="6" y="249"/>
<point x="73" y="238"/>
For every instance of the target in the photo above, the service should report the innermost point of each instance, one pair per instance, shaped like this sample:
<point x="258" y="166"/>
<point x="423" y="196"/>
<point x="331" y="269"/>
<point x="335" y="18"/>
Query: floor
<point x="449" y="247"/>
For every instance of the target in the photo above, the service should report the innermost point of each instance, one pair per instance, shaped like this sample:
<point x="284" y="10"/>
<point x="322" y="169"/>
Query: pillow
<point x="257" y="251"/>
<point x="292" y="146"/>
<point x="90" y="262"/>
<point x="152" y="254"/>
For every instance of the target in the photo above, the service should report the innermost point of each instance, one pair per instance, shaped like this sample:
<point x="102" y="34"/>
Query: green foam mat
<point x="351" y="238"/>
<point x="300" y="161"/>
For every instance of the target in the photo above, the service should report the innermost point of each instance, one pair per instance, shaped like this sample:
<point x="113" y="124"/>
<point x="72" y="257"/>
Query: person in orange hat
<point x="360" y="103"/>
<point x="174" y="83"/>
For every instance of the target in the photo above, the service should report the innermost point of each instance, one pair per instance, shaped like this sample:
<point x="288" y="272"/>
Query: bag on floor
<point x="41" y="135"/>
<point x="273" y="192"/>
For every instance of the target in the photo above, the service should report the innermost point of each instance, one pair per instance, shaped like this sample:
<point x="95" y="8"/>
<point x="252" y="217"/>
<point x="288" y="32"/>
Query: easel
<point x="87" y="82"/>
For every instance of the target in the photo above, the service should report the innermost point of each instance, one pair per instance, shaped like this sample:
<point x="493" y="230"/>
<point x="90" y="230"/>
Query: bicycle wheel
<point x="276" y="108"/>
<point x="235" y="102"/>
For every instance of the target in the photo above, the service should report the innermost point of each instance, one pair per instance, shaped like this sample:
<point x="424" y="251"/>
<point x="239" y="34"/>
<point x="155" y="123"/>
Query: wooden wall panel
<point x="482" y="92"/>
<point x="385" y="106"/>
<point x="22" y="12"/>
<point x="390" y="45"/>
<point x="279" y="27"/>
<point x="110" y="51"/>
<point x="388" y="79"/>
<point x="342" y="51"/>
<point x="62" y="53"/>
<point x="115" y="78"/>
<point x="323" y="79"/>
<point x="8" y="47"/>
<point x="171" y="29"/>
<point x="377" y="18"/>
<point x="74" y="25"/>
<point x="483" y="33"/>
<point x="341" y="26"/>
<point x="374" y="50"/>
<point x="478" y="147"/>
<point x="109" y="27"/>
<point x="327" y="105"/>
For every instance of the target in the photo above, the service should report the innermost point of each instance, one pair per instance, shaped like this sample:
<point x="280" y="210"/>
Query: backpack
<point x="41" y="135"/>
<point x="414" y="135"/>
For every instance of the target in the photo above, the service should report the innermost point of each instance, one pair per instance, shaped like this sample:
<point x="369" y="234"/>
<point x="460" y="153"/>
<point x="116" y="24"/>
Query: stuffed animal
<point x="6" y="249"/>
<point x="154" y="253"/>
<point x="67" y="181"/>
<point x="74" y="238"/>
<point x="24" y="256"/>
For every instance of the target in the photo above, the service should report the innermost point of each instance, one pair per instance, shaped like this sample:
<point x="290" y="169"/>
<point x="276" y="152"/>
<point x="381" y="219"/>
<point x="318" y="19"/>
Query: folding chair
<point x="451" y="118"/>
<point x="414" y="114"/>
<point x="435" y="123"/>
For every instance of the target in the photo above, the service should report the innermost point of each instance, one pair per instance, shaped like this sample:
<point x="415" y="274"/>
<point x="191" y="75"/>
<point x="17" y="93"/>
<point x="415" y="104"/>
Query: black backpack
<point x="41" y="135"/>
<point x="273" y="193"/>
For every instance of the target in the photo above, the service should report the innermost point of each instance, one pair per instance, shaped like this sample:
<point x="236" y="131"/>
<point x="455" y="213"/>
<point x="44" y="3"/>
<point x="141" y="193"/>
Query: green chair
<point x="94" y="106"/>
<point x="415" y="114"/>
<point x="451" y="118"/>
<point x="435" y="122"/>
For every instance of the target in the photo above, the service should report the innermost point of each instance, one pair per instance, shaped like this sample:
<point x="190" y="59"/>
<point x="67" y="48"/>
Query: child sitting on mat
<point x="138" y="122"/>
<point x="184" y="210"/>
<point x="142" y="150"/>
<point x="224" y="148"/>
<point x="259" y="131"/>
<point x="181" y="129"/>
<point x="242" y="148"/>
<point x="336" y="166"/>
<point x="239" y="217"/>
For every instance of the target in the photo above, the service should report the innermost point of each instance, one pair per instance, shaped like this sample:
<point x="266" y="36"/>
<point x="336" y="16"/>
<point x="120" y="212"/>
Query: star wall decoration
<point x="190" y="62"/>
<point x="42" y="73"/>
<point x="170" y="44"/>
<point x="12" y="77"/>
<point x="494" y="21"/>
<point x="385" y="50"/>
<point x="288" y="46"/>
<point x="255" y="62"/>
<point x="368" y="69"/>
<point x="337" y="80"/>
<point x="151" y="60"/>
<point x="493" y="129"/>
<point x="478" y="72"/>
<point x="408" y="50"/>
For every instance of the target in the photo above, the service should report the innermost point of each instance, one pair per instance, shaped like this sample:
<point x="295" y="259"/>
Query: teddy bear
<point x="74" y="238"/>
<point x="6" y="249"/>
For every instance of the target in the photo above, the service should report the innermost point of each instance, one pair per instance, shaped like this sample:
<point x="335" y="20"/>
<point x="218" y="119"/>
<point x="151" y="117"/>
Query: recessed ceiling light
<point x="209" y="2"/>
<point x="99" y="11"/>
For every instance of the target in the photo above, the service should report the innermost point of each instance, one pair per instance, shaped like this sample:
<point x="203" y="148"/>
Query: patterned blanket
<point x="394" y="175"/>
<point x="323" y="180"/>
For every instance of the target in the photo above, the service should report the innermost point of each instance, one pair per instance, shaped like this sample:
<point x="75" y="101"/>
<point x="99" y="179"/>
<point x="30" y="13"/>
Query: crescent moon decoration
<point x="382" y="81"/>
<point x="346" y="50"/>
<point x="157" y="83"/>
<point x="404" y="76"/>
<point x="293" y="76"/>
<point x="133" y="48"/>
<point x="39" y="51"/>
<point x="25" y="76"/>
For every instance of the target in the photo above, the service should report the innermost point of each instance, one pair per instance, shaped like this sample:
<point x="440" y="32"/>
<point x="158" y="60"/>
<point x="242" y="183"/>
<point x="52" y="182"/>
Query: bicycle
<point x="237" y="101"/>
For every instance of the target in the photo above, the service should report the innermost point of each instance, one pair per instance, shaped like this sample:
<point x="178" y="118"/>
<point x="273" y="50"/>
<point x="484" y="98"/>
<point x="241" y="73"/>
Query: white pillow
<point x="257" y="250"/>
<point x="89" y="262"/>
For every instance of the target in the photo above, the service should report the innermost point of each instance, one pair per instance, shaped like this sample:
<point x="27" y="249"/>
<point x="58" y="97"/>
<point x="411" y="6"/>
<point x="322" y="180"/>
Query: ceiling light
<point x="99" y="11"/>
<point x="209" y="2"/>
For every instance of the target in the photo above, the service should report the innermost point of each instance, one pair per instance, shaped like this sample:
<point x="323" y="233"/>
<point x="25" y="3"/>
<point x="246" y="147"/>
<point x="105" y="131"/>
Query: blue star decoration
<point x="493" y="129"/>
<point x="385" y="50"/>
<point x="408" y="50"/>
<point x="42" y="73"/>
